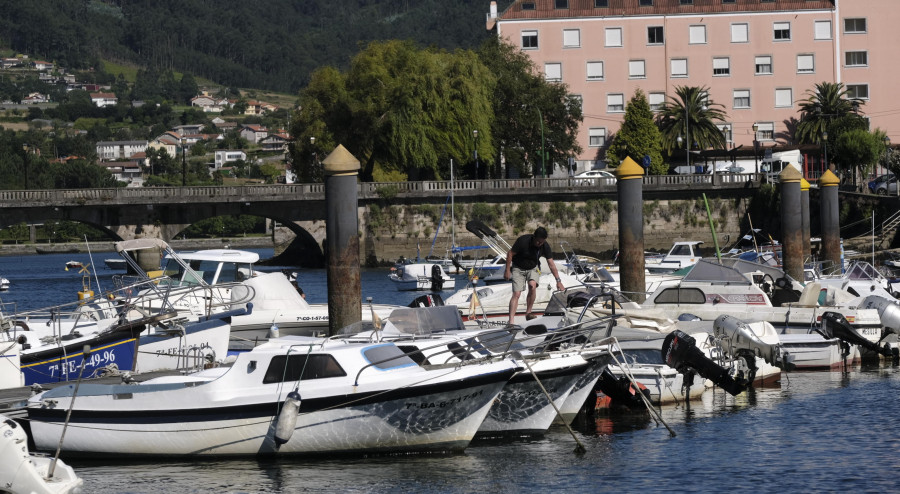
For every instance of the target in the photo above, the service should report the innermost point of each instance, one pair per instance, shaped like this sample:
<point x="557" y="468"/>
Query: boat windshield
<point x="207" y="272"/>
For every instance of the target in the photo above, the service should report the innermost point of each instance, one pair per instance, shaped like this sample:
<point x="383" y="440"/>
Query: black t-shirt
<point x="526" y="254"/>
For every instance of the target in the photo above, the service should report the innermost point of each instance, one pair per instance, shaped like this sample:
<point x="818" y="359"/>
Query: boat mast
<point x="452" y="218"/>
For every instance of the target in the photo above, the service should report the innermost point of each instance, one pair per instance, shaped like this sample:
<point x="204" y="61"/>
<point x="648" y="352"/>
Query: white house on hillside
<point x="225" y="156"/>
<point x="119" y="150"/>
<point x="253" y="133"/>
<point x="104" y="99"/>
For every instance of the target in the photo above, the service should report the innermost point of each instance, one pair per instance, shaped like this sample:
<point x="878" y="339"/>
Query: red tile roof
<point x="546" y="9"/>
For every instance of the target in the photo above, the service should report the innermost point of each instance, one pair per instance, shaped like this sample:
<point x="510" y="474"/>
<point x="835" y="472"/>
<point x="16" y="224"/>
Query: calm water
<point x="817" y="432"/>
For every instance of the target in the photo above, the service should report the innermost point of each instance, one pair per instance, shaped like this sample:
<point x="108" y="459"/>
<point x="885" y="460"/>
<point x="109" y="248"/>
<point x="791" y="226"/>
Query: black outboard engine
<point x="437" y="278"/>
<point x="835" y="325"/>
<point x="430" y="300"/>
<point x="621" y="392"/>
<point x="680" y="352"/>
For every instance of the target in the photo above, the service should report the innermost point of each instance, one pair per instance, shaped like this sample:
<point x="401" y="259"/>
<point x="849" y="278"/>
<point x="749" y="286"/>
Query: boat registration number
<point x="444" y="404"/>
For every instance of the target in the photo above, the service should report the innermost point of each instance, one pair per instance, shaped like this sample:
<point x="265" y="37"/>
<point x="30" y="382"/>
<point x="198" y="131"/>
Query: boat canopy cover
<point x="141" y="244"/>
<point x="710" y="271"/>
<point x="426" y="320"/>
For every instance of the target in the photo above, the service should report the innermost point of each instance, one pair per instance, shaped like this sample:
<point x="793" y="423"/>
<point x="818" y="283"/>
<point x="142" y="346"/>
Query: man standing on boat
<point x="522" y="262"/>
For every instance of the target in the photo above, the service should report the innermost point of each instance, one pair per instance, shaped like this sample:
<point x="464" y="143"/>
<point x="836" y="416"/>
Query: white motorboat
<point x="116" y="263"/>
<point x="422" y="276"/>
<point x="24" y="472"/>
<point x="291" y="395"/>
<point x="681" y="255"/>
<point x="436" y="335"/>
<point x="4" y="284"/>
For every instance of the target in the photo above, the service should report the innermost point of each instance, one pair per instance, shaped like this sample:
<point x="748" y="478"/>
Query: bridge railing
<point x="367" y="190"/>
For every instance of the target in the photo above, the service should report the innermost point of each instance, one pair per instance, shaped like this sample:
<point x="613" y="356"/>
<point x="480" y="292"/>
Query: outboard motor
<point x="620" y="391"/>
<point x="740" y="339"/>
<point x="437" y="278"/>
<point x="680" y="352"/>
<point x="835" y="325"/>
<point x="888" y="312"/>
<point x="430" y="300"/>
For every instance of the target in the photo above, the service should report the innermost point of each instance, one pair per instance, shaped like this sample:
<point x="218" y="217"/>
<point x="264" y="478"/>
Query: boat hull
<point x="429" y="418"/>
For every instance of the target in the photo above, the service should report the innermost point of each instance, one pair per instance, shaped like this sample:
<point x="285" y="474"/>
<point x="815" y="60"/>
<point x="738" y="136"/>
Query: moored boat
<point x="290" y="395"/>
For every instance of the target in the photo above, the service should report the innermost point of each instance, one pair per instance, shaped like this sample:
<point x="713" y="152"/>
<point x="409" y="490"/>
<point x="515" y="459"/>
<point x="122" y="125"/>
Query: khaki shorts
<point x="521" y="277"/>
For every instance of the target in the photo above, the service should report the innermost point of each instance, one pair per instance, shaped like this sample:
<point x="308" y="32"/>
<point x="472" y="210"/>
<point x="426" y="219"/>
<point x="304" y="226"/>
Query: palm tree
<point x="692" y="115"/>
<point x="827" y="103"/>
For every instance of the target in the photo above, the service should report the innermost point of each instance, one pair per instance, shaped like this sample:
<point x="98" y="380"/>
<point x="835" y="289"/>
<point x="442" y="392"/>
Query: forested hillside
<point x="273" y="45"/>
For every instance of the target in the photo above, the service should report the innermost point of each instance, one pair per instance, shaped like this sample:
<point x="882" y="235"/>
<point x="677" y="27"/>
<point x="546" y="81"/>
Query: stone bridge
<point x="163" y="212"/>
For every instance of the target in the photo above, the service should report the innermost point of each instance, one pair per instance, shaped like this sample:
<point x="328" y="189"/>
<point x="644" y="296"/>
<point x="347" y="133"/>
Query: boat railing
<point x="575" y="337"/>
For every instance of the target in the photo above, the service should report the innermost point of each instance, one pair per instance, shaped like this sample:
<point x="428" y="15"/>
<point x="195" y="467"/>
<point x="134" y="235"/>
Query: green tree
<point x="398" y="109"/>
<point x="824" y="105"/>
<point x="639" y="136"/>
<point x="859" y="150"/>
<point x="529" y="112"/>
<point x="693" y="113"/>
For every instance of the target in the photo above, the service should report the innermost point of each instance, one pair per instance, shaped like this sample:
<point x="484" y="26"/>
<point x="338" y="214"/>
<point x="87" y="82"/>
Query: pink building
<point x="758" y="57"/>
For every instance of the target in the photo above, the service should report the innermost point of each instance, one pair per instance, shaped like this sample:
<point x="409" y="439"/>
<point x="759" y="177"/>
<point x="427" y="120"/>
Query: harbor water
<point x="815" y="432"/>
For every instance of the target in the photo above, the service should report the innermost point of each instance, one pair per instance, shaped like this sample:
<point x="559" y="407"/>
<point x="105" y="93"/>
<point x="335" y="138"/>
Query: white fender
<point x="287" y="418"/>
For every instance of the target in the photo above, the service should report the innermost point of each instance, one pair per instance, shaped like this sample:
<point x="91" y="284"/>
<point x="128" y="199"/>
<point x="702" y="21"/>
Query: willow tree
<point x="399" y="109"/>
<point x="531" y="114"/>
<point x="638" y="136"/>
<point x="692" y="116"/>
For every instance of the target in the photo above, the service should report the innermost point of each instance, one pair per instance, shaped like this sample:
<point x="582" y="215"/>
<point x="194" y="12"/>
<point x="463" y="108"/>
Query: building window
<point x="856" y="58"/>
<point x="529" y="40"/>
<point x="615" y="103"/>
<point x="562" y="4"/>
<point x="727" y="132"/>
<point x="765" y="131"/>
<point x="687" y="2"/>
<point x="614" y="36"/>
<point x="855" y="26"/>
<point x="655" y="35"/>
<point x="597" y="137"/>
<point x="697" y="34"/>
<point x="645" y="3"/>
<point x="728" y="1"/>
<point x="679" y="67"/>
<point x="571" y="38"/>
<point x="528" y="6"/>
<point x="763" y="65"/>
<point x="553" y="71"/>
<point x="741" y="98"/>
<point x="595" y="71"/>
<point x="740" y="33"/>
<point x="637" y="69"/>
<point x="721" y="66"/>
<point x="782" y="31"/>
<point x="806" y="63"/>
<point x="857" y="91"/>
<point x="657" y="100"/>
<point x="601" y="3"/>
<point x="823" y="30"/>
<point x="784" y="97"/>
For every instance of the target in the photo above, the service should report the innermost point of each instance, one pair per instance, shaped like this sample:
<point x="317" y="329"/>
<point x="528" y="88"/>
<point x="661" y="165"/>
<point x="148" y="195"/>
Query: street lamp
<point x="183" y="164"/>
<point x="680" y="141"/>
<point x="756" y="147"/>
<point x="543" y="156"/>
<point x="475" y="133"/>
<point x="825" y="142"/>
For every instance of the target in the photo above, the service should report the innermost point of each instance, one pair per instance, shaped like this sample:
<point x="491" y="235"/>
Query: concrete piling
<point x="342" y="239"/>
<point x="791" y="222"/>
<point x="630" y="187"/>
<point x="830" y="214"/>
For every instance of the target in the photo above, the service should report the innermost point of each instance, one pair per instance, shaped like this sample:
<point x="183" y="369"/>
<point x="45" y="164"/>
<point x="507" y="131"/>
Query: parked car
<point x="734" y="169"/>
<point x="589" y="177"/>
<point x="888" y="187"/>
<point x="873" y="185"/>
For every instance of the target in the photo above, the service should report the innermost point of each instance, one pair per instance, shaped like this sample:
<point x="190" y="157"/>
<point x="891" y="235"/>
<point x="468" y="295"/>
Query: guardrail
<point x="367" y="190"/>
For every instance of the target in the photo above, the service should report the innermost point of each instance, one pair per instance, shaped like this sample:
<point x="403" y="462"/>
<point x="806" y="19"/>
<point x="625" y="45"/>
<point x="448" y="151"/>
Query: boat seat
<point x="809" y="297"/>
